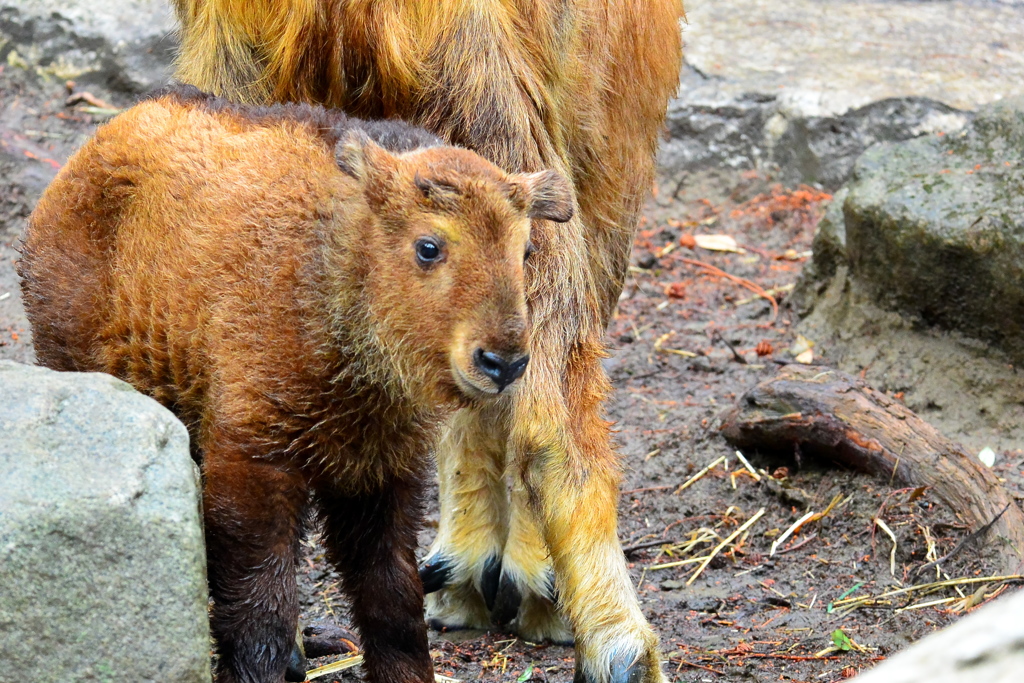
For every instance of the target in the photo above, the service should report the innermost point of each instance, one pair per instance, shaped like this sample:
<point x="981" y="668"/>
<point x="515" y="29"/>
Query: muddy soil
<point x="747" y="615"/>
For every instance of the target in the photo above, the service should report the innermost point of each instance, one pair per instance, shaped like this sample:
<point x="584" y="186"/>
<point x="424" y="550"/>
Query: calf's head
<point x="448" y="239"/>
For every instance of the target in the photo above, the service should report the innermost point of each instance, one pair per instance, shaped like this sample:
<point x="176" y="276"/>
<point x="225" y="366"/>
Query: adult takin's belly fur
<point x="579" y="86"/>
<point x="312" y="295"/>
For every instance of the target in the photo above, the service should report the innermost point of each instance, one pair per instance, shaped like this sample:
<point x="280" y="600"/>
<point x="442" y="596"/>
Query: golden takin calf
<point x="313" y="296"/>
<point x="579" y="86"/>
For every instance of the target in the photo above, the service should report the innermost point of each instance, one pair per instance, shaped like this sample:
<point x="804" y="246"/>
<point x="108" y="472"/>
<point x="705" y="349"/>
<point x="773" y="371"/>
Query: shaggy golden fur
<point x="575" y="85"/>
<point x="262" y="273"/>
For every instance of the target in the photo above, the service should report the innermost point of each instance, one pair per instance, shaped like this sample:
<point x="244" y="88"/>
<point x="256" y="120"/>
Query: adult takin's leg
<point x="571" y="475"/>
<point x="489" y="563"/>
<point x="371" y="539"/>
<point x="254" y="516"/>
<point x="461" y="571"/>
<point x="527" y="590"/>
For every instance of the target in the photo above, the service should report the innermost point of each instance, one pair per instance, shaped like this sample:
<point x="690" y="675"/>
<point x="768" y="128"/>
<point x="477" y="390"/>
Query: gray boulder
<point x="101" y="541"/>
<point x="125" y="45"/>
<point x="757" y="130"/>
<point x="985" y="646"/>
<point x="934" y="228"/>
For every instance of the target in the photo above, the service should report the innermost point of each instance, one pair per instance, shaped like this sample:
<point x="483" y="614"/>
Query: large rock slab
<point x="101" y="541"/>
<point x="123" y="44"/>
<point x="801" y="87"/>
<point x="985" y="646"/>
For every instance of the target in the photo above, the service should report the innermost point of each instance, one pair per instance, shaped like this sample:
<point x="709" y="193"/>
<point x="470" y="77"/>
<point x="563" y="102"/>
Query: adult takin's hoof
<point x="456" y="604"/>
<point x="505" y="605"/>
<point x="622" y="668"/>
<point x="540" y="621"/>
<point x="490" y="581"/>
<point x="457" y="607"/>
<point x="435" y="572"/>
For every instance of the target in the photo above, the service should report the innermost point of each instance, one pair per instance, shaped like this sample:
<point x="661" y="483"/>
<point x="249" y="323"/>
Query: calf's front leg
<point x="371" y="539"/>
<point x="253" y="513"/>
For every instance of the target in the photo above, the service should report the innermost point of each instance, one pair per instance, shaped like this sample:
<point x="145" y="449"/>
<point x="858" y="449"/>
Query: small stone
<point x="704" y="604"/>
<point x="647" y="261"/>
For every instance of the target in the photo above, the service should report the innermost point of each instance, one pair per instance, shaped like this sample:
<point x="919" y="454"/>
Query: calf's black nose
<point x="500" y="370"/>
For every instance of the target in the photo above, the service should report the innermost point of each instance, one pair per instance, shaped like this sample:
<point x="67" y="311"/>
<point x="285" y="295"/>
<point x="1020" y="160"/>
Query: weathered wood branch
<point x="834" y="416"/>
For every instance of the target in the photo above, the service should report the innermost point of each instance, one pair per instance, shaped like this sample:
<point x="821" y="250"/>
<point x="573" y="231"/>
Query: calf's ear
<point x="545" y="194"/>
<point x="362" y="158"/>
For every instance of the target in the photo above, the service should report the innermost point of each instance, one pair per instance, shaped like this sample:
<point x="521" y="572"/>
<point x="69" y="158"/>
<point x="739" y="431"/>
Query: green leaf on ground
<point x="841" y="640"/>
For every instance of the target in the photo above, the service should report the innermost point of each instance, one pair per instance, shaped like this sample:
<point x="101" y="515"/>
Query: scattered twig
<point x="356" y="660"/>
<point x="799" y="545"/>
<point x="683" y="662"/>
<point x="753" y="287"/>
<point x="647" y="488"/>
<point x="707" y="560"/>
<point x="790" y="531"/>
<point x="333" y="667"/>
<point x="774" y="291"/>
<point x="659" y="348"/>
<point x="735" y="354"/>
<point x="809" y="517"/>
<point x="643" y="546"/>
<point x="930" y="603"/>
<point x="88" y="98"/>
<point x="970" y="538"/>
<point x="748" y="466"/>
<point x="686" y="484"/>
<point x="892" y="554"/>
<point x="100" y="111"/>
<point x="882" y="600"/>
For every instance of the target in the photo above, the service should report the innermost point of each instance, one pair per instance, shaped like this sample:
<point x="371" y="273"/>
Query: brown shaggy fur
<point x="258" y="272"/>
<point x="575" y="85"/>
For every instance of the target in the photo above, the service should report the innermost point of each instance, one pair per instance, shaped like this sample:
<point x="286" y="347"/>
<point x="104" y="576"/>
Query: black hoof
<point x="441" y="627"/>
<point x="506" y="601"/>
<point x="296" y="670"/>
<point x="490" y="580"/>
<point x="434" y="573"/>
<point x="624" y="670"/>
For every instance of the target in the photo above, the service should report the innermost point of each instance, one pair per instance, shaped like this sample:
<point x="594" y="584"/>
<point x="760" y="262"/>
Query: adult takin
<point x="312" y="295"/>
<point x="579" y="86"/>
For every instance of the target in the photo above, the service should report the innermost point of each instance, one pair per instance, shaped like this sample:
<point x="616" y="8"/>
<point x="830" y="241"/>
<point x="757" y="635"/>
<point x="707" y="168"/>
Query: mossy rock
<point x="934" y="228"/>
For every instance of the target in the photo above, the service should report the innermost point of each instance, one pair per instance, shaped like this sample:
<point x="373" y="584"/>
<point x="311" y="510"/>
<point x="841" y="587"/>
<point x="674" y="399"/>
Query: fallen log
<point x="831" y="415"/>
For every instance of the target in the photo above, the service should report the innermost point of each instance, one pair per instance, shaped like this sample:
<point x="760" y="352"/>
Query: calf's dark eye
<point x="428" y="251"/>
<point x="529" y="251"/>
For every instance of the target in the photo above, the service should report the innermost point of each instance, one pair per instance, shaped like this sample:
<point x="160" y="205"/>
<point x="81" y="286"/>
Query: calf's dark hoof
<point x="296" y="671"/>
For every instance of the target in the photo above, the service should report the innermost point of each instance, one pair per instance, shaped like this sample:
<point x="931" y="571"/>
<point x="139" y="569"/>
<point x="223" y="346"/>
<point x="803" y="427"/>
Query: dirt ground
<point x="747" y="615"/>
